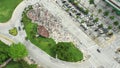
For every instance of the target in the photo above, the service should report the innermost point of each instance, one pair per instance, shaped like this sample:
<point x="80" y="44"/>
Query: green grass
<point x="13" y="64"/>
<point x="20" y="64"/>
<point x="3" y="52"/>
<point x="45" y="44"/>
<point x="71" y="53"/>
<point x="13" y="31"/>
<point x="68" y="52"/>
<point x="6" y="9"/>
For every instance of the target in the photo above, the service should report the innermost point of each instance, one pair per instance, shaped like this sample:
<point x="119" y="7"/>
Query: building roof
<point x="42" y="31"/>
<point x="32" y="15"/>
<point x="114" y="3"/>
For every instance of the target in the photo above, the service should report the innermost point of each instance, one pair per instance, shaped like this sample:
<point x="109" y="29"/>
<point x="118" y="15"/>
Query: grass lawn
<point x="13" y="31"/>
<point x="3" y="52"/>
<point x="6" y="9"/>
<point x="45" y="44"/>
<point x="13" y="64"/>
<point x="20" y="64"/>
<point x="68" y="52"/>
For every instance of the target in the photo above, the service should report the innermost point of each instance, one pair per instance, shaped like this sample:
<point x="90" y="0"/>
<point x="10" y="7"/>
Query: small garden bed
<point x="13" y="31"/>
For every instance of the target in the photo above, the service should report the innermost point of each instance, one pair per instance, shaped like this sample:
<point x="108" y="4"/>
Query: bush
<point x="119" y="27"/>
<point x="71" y="1"/>
<point x="109" y="27"/>
<point x="91" y="1"/>
<point x="100" y="26"/>
<point x="20" y="64"/>
<point x="96" y="20"/>
<point x="106" y="13"/>
<point x="112" y="17"/>
<point x="116" y="23"/>
<point x="99" y="10"/>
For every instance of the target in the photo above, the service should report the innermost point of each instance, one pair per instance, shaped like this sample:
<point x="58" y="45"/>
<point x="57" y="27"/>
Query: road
<point x="96" y="59"/>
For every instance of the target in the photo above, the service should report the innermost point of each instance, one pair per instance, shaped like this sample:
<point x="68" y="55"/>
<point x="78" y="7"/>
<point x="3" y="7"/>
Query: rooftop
<point x="114" y="3"/>
<point x="32" y="15"/>
<point x="42" y="31"/>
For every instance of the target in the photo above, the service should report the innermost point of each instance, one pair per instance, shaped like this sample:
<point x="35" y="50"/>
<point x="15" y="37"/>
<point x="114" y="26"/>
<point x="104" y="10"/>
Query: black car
<point x="98" y="50"/>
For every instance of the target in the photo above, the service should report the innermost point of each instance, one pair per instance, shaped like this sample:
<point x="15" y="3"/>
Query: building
<point x="42" y="31"/>
<point x="31" y="14"/>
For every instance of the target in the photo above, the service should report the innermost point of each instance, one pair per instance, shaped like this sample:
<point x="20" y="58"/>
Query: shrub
<point x="116" y="23"/>
<point x="109" y="27"/>
<point x="106" y="13"/>
<point x="13" y="31"/>
<point x="112" y="17"/>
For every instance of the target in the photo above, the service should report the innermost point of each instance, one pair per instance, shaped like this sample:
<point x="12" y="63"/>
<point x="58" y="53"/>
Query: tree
<point x="72" y="1"/>
<point x="86" y="11"/>
<point x="96" y="20"/>
<point x="99" y="10"/>
<point x="24" y="64"/>
<point x="106" y="13"/>
<point x="17" y="51"/>
<point x="3" y="52"/>
<point x="100" y="26"/>
<point x="117" y="12"/>
<point x="33" y="66"/>
<point x="91" y="1"/>
<point x="109" y="27"/>
<point x="119" y="27"/>
<point x="112" y="17"/>
<point x="116" y="23"/>
<point x="68" y="52"/>
<point x="3" y="57"/>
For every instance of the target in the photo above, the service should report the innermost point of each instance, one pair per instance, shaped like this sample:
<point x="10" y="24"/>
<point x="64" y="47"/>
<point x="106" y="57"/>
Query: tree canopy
<point x="17" y="51"/>
<point x="3" y="52"/>
<point x="68" y="52"/>
<point x="91" y="1"/>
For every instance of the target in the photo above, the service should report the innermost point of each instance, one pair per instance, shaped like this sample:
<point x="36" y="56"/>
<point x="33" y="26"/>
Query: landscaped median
<point x="13" y="31"/>
<point x="6" y="9"/>
<point x="65" y="51"/>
